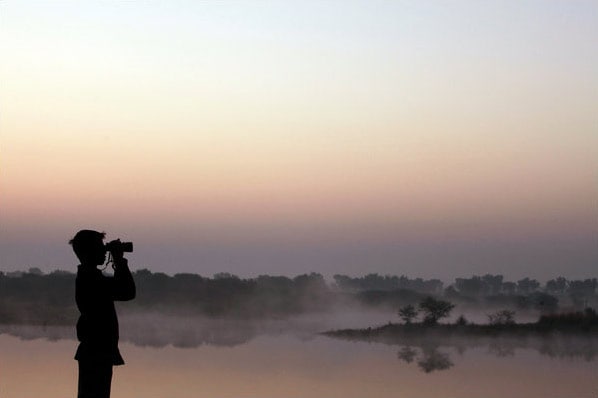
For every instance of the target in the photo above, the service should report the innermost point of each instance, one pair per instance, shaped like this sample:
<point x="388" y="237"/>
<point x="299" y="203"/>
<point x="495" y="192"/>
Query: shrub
<point x="434" y="309"/>
<point x="502" y="317"/>
<point x="408" y="313"/>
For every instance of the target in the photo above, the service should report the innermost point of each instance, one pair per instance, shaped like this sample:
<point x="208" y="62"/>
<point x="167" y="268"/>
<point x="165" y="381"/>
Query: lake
<point x="203" y="358"/>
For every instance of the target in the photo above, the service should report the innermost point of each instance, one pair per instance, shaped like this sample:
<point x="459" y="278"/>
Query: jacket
<point x="97" y="327"/>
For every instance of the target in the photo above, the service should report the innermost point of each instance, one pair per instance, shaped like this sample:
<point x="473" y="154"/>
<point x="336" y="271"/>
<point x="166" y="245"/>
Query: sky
<point x="430" y="139"/>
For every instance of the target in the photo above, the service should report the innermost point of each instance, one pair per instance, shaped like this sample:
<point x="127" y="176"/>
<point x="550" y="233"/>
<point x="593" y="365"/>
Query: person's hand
<point x="118" y="255"/>
<point x="117" y="252"/>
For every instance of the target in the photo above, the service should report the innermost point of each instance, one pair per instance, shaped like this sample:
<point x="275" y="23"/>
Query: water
<point x="281" y="359"/>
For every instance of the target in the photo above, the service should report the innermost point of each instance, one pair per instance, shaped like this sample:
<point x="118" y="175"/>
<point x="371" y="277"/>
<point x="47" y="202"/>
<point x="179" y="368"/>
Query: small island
<point x="424" y="343"/>
<point x="501" y="324"/>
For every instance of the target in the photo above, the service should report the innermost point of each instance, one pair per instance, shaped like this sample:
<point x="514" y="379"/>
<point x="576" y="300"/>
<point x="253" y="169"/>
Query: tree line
<point x="474" y="286"/>
<point x="33" y="297"/>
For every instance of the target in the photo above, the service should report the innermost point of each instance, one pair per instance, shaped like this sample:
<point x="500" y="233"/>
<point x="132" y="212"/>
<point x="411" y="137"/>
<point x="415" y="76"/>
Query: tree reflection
<point x="154" y="334"/>
<point x="407" y="354"/>
<point x="432" y="360"/>
<point x="501" y="350"/>
<point x="429" y="352"/>
<point x="429" y="358"/>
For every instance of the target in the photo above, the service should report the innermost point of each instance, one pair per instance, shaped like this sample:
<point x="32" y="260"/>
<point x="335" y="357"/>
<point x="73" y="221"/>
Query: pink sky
<point x="396" y="138"/>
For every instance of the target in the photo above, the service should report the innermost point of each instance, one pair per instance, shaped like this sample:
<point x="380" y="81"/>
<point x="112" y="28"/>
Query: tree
<point x="472" y="287"/>
<point x="492" y="283"/>
<point x="224" y="275"/>
<point x="557" y="286"/>
<point x="508" y="288"/>
<point x="502" y="317"/>
<point x="35" y="271"/>
<point x="451" y="292"/>
<point x="408" y="313"/>
<point x="435" y="309"/>
<point x="544" y="302"/>
<point x="584" y="288"/>
<point x="527" y="285"/>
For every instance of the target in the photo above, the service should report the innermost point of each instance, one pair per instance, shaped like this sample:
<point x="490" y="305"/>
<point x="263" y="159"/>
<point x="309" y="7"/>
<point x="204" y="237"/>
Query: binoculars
<point x="118" y="246"/>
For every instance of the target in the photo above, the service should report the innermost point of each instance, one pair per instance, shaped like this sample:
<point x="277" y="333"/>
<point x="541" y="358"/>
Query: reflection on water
<point x="228" y="359"/>
<point x="159" y="330"/>
<point x="433" y="352"/>
<point x="182" y="335"/>
<point x="428" y="359"/>
<point x="430" y="352"/>
<point x="432" y="356"/>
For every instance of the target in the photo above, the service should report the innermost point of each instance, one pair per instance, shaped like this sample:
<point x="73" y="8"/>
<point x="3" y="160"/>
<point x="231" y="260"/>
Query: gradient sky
<point x="432" y="139"/>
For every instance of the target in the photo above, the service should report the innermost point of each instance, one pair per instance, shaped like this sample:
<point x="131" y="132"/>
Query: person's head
<point x="89" y="247"/>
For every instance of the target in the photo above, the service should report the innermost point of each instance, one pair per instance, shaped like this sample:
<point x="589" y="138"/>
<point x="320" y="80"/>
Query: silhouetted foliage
<point x="557" y="286"/>
<point x="509" y="288"/>
<point x="489" y="285"/>
<point x="584" y="320"/>
<point x="502" y="317"/>
<point x="543" y="302"/>
<point x="434" y="309"/>
<point x="527" y="285"/>
<point x="33" y="297"/>
<point x="586" y="287"/>
<point x="386" y="283"/>
<point x="473" y="286"/>
<point x="565" y="335"/>
<point x="451" y="293"/>
<point x="408" y="313"/>
<point x="392" y="299"/>
<point x="581" y="291"/>
<point x="492" y="284"/>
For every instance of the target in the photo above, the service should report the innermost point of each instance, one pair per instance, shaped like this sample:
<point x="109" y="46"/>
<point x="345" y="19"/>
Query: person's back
<point x="97" y="327"/>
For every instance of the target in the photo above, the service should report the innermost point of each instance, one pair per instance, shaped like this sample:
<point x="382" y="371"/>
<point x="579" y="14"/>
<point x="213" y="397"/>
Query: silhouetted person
<point x="97" y="327"/>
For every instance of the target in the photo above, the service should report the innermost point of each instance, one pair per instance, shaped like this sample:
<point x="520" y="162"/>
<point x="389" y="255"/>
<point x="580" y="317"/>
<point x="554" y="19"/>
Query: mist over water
<point x="183" y="357"/>
<point x="155" y="330"/>
<point x="159" y="329"/>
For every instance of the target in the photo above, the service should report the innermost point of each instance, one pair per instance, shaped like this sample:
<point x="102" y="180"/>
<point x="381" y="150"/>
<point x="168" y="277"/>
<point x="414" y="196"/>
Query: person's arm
<point x="123" y="285"/>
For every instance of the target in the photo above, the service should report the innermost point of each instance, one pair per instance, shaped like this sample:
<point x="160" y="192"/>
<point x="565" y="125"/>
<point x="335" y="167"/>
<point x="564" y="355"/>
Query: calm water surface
<point x="282" y="362"/>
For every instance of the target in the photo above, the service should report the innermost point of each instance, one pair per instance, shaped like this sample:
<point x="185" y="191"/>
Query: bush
<point x="408" y="313"/>
<point x="434" y="309"/>
<point x="502" y="317"/>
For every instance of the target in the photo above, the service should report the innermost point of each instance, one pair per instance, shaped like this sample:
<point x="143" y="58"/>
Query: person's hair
<point x="84" y="241"/>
